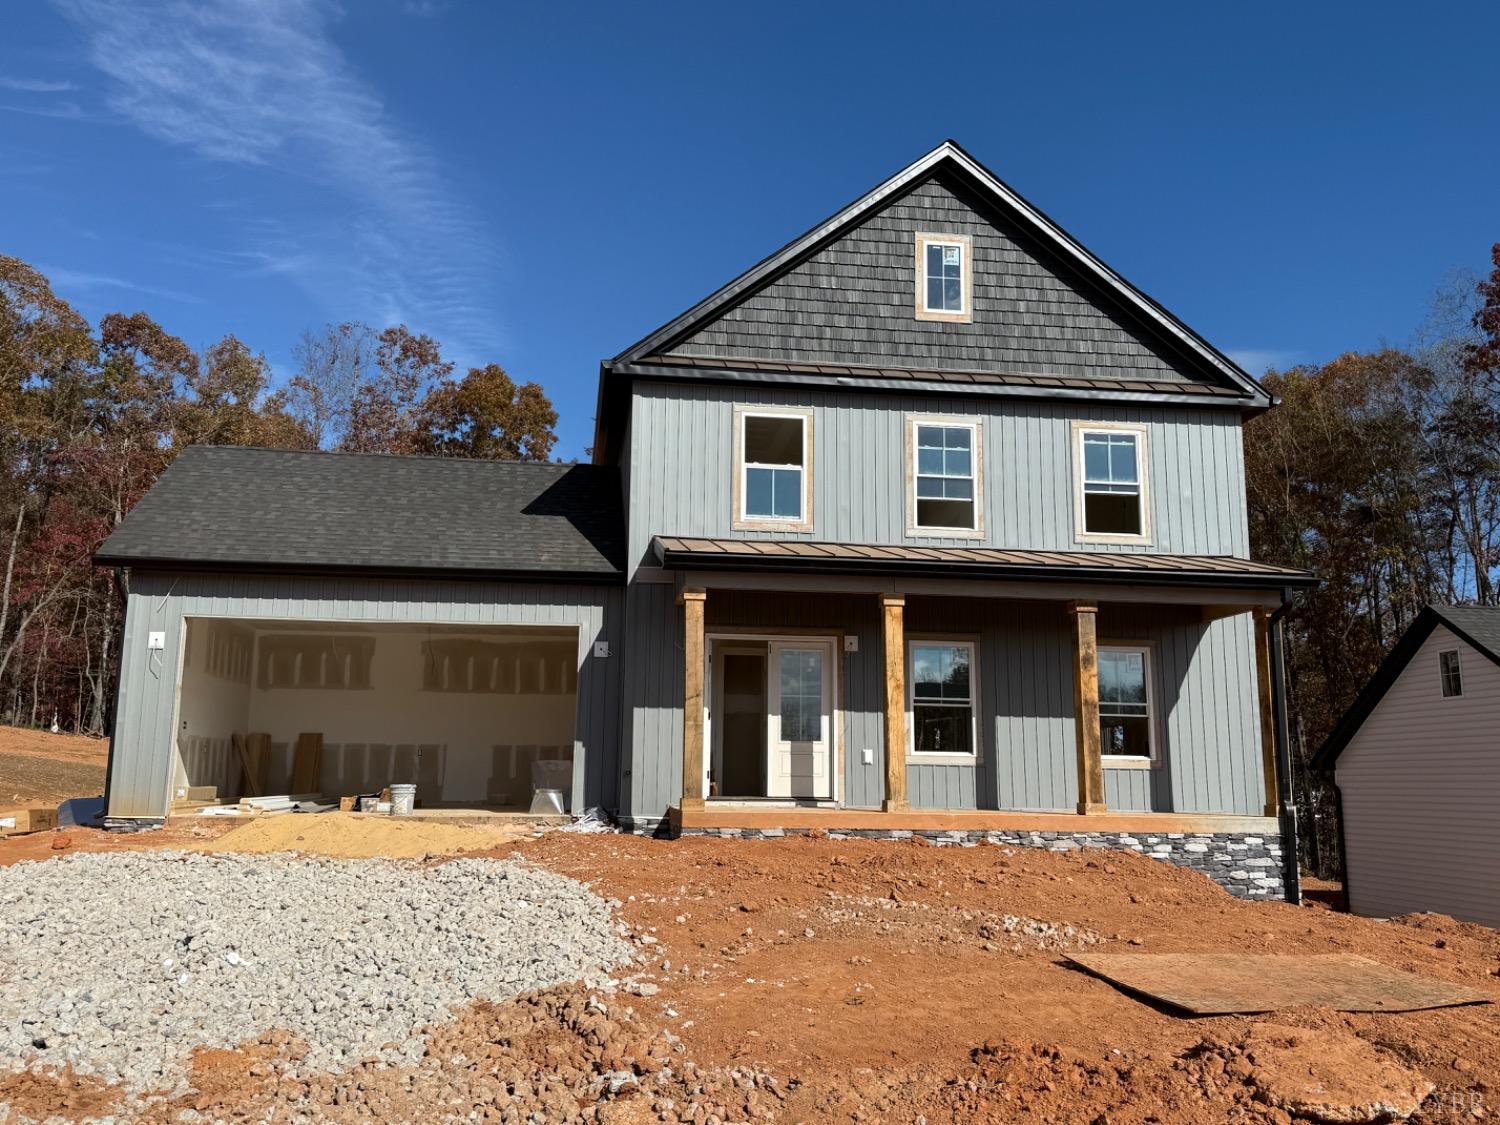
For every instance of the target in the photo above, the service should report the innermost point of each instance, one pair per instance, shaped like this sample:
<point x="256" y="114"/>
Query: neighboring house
<point x="929" y="522"/>
<point x="1416" y="763"/>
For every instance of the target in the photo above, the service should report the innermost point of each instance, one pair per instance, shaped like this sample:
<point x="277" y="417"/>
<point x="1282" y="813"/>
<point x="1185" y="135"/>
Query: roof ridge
<point x="393" y="456"/>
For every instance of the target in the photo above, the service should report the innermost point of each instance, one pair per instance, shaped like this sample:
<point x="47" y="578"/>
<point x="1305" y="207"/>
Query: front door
<point x="800" y="720"/>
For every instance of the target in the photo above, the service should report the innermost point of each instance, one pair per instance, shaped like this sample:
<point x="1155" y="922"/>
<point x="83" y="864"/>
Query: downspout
<point x="1291" y="872"/>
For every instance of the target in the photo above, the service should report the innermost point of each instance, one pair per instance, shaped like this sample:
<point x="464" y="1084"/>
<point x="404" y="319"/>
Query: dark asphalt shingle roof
<point x="290" y="510"/>
<point x="1476" y="625"/>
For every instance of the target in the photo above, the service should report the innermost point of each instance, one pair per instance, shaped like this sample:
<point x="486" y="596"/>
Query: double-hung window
<point x="1112" y="502"/>
<point x="945" y="474"/>
<point x="1450" y="673"/>
<point x="944" y="277"/>
<point x="941" y="674"/>
<point x="773" y="469"/>
<point x="1125" y="710"/>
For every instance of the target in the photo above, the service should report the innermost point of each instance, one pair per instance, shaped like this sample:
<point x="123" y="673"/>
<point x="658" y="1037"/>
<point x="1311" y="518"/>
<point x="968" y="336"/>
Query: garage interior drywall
<point x="461" y="711"/>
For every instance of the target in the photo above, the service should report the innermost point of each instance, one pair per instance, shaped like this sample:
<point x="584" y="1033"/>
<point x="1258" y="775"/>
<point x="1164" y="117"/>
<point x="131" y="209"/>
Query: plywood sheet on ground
<point x="1221" y="984"/>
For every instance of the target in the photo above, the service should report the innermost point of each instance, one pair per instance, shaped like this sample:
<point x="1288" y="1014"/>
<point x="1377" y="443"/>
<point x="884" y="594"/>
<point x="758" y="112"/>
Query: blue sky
<point x="542" y="184"/>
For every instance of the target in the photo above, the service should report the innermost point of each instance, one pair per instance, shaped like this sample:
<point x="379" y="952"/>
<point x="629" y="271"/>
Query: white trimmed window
<point x="945" y="455"/>
<point x="944" y="277"/>
<point x="941" y="678"/>
<point x="773" y="473"/>
<point x="1112" y="501"/>
<point x="1126" y="721"/>
<point x="1451" y="673"/>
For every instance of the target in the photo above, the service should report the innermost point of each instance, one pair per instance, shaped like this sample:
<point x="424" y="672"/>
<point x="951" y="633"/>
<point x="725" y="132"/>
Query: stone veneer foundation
<point x="1248" y="866"/>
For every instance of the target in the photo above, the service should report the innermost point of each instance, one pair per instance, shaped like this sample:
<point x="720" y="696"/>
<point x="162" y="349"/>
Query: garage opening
<point x="477" y="717"/>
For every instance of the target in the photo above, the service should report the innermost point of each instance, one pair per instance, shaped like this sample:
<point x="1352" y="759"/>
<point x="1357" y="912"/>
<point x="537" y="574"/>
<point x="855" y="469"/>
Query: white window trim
<point x="928" y="757"/>
<point x="976" y="426"/>
<point x="1136" y="761"/>
<point x="743" y="522"/>
<point x="1143" y="472"/>
<point x="964" y="315"/>
<point x="1457" y="659"/>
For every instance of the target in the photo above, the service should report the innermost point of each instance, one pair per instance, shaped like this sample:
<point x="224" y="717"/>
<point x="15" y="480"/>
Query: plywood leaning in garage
<point x="307" y="763"/>
<point x="1221" y="984"/>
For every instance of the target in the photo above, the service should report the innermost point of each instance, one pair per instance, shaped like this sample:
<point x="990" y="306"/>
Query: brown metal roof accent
<point x="1019" y="379"/>
<point x="977" y="561"/>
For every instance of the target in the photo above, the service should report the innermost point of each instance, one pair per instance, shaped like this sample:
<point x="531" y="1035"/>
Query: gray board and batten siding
<point x="681" y="466"/>
<point x="1208" y="739"/>
<point x="141" y="758"/>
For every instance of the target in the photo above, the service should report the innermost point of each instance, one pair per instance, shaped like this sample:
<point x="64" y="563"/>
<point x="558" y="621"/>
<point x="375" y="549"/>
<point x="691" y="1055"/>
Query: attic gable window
<point x="944" y="278"/>
<point x="1450" y="673"/>
<point x="772" y="474"/>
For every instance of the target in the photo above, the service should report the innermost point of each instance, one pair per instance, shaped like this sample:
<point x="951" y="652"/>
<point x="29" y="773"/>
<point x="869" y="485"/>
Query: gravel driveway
<point x="123" y="963"/>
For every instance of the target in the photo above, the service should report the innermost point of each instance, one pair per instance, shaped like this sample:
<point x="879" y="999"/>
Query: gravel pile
<point x="122" y="964"/>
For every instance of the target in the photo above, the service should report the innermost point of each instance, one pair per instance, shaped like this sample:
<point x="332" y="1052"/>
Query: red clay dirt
<point x="873" y="981"/>
<point x="44" y="769"/>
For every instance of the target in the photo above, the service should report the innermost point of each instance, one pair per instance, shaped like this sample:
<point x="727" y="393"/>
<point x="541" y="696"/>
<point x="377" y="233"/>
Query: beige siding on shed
<point x="1421" y="793"/>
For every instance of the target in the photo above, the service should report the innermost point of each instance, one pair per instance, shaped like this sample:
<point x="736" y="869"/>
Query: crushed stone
<point x="121" y="964"/>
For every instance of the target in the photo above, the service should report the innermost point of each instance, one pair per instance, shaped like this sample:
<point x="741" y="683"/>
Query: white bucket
<point x="403" y="799"/>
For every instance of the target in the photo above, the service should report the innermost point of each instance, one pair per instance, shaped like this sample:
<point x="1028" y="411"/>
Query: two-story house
<point x="928" y="523"/>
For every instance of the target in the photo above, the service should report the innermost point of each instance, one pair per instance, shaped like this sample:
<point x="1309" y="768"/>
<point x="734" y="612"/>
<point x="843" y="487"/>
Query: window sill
<point x="918" y="758"/>
<point x="1123" y="763"/>
<point x="945" y="533"/>
<point x="801" y="528"/>
<point x="1117" y="540"/>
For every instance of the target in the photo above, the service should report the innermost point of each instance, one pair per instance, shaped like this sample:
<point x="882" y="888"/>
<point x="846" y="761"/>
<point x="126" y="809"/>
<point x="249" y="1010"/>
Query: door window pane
<point x="801" y="672"/>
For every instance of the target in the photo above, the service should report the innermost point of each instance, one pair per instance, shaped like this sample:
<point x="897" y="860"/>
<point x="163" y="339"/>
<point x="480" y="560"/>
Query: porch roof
<point x="801" y="556"/>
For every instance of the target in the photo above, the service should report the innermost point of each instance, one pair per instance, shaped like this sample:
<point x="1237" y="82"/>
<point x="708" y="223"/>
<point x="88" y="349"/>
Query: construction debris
<point x="1222" y="984"/>
<point x="13" y="822"/>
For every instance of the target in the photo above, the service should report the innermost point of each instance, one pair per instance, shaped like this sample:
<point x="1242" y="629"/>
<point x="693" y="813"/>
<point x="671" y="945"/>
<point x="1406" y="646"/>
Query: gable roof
<point x="297" y="512"/>
<point x="950" y="158"/>
<point x="1477" y="626"/>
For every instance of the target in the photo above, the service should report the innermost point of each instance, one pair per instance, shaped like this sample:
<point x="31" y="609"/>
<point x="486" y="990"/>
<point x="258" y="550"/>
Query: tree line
<point x="90" y="416"/>
<point x="1379" y="471"/>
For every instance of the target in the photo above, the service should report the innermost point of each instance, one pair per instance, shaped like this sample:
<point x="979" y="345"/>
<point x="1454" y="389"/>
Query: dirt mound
<point x="547" y="1056"/>
<point x="357" y="836"/>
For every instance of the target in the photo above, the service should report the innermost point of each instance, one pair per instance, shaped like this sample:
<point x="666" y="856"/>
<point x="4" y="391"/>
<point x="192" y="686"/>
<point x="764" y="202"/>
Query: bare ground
<point x="817" y="980"/>
<point x="41" y="768"/>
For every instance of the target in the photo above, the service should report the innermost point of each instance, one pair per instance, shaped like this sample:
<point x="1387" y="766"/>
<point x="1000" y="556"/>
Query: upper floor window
<point x="1450" y="673"/>
<point x="1125" y="719"/>
<point x="943" y="466"/>
<point x="1112" y="502"/>
<point x="944" y="277"/>
<point x="773" y="449"/>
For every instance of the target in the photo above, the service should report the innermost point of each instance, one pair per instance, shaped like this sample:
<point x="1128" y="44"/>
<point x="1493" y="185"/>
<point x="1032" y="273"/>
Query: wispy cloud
<point x="63" y="278"/>
<point x="262" y="83"/>
<point x="34" y="85"/>
<point x="1257" y="361"/>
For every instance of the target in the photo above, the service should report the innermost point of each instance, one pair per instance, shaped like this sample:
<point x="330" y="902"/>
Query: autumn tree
<point x="386" y="411"/>
<point x="485" y="414"/>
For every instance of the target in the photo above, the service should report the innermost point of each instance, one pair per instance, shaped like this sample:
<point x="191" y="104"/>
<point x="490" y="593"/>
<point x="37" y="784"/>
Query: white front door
<point x="800" y="720"/>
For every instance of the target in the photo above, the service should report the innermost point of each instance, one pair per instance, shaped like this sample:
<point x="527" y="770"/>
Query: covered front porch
<point x="973" y="692"/>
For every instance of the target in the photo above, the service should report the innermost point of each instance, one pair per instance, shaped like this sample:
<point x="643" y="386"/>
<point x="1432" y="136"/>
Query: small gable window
<point x="1112" y="502"/>
<point x="773" y="468"/>
<point x="944" y="279"/>
<point x="1450" y="673"/>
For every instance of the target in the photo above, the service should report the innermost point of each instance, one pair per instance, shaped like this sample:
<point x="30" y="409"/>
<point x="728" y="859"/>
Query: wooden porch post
<point x="893" y="610"/>
<point x="1263" y="674"/>
<point x="1086" y="706"/>
<point x="692" y="697"/>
